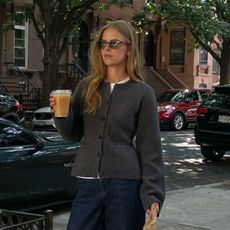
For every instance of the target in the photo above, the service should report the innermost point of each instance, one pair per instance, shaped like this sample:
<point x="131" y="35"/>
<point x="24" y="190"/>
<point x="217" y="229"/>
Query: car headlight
<point x="164" y="108"/>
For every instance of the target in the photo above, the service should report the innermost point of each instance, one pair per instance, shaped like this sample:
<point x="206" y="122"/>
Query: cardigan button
<point x="103" y="119"/>
<point x="100" y="137"/>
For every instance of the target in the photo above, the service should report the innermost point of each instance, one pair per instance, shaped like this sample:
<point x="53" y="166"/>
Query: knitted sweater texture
<point x="108" y="147"/>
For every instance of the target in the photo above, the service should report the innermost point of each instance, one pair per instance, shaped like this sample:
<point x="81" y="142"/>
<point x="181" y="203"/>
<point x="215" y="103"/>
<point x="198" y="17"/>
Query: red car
<point x="178" y="107"/>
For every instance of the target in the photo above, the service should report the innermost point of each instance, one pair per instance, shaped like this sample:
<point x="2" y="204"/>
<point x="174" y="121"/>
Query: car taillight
<point x="202" y="110"/>
<point x="18" y="105"/>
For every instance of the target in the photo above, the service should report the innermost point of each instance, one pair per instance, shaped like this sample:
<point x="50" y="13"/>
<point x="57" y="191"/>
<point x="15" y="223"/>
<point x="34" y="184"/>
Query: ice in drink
<point x="62" y="102"/>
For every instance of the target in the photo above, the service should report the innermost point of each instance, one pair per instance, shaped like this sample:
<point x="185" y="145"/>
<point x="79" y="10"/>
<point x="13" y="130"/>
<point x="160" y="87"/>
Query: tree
<point x="54" y="22"/>
<point x="208" y="21"/>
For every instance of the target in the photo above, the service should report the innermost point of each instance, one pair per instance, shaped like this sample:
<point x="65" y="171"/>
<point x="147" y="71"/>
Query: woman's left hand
<point x="153" y="210"/>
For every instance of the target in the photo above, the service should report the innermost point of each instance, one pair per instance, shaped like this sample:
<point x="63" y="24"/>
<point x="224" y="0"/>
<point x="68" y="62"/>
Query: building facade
<point x="167" y="58"/>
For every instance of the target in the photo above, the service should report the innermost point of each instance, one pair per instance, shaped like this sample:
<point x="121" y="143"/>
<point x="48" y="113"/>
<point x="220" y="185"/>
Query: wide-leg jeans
<point x="107" y="204"/>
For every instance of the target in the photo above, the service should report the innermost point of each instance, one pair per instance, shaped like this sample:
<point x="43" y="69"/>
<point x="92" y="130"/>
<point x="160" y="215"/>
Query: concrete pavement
<point x="200" y="207"/>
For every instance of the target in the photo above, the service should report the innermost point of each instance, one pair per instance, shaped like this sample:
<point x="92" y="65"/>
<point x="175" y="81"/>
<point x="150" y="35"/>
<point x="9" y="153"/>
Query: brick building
<point x="167" y="63"/>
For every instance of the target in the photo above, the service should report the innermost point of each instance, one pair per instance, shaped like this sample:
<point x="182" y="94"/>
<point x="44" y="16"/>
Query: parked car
<point x="43" y="119"/>
<point x="212" y="130"/>
<point x="34" y="167"/>
<point x="178" y="107"/>
<point x="11" y="109"/>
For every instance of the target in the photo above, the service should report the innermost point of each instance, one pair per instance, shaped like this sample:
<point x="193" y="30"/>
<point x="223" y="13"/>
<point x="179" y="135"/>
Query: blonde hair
<point x="98" y="69"/>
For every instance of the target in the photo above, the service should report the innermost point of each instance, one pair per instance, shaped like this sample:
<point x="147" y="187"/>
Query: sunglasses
<point x="113" y="44"/>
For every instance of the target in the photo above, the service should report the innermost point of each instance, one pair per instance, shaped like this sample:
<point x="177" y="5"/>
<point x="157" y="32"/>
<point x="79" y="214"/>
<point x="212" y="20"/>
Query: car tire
<point x="210" y="153"/>
<point x="178" y="121"/>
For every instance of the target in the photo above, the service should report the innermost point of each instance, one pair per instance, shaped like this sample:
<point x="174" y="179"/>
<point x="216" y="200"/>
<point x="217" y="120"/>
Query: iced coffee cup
<point x="62" y="102"/>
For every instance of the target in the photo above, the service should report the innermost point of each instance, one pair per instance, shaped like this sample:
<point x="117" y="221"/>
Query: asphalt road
<point x="184" y="164"/>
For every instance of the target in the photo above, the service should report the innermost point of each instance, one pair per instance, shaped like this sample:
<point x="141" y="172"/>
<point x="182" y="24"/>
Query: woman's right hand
<point x="52" y="103"/>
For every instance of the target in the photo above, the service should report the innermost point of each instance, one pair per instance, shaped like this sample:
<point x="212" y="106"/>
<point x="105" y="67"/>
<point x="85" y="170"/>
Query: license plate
<point x="42" y="123"/>
<point x="224" y="119"/>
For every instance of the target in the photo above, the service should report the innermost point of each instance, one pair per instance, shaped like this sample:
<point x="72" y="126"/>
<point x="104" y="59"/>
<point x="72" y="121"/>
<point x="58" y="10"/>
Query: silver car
<point x="43" y="119"/>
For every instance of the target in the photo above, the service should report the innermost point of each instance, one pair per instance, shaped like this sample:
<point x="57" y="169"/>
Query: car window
<point x="7" y="98"/>
<point x="218" y="101"/>
<point x="166" y="96"/>
<point x="204" y="94"/>
<point x="193" y="96"/>
<point x="11" y="136"/>
<point x="172" y="96"/>
<point x="179" y="97"/>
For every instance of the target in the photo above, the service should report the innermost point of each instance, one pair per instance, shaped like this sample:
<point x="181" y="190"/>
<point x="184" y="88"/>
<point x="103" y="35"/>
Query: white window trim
<point x="25" y="28"/>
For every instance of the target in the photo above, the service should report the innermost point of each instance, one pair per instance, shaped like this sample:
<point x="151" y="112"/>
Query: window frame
<point x="172" y="56"/>
<point x="203" y="61"/>
<point x="25" y="29"/>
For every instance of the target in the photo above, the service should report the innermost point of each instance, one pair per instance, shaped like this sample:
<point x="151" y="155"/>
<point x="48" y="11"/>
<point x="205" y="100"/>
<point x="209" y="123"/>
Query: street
<point x="184" y="164"/>
<point x="192" y="185"/>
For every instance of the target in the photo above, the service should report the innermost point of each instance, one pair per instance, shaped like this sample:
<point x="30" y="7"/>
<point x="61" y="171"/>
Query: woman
<point x="118" y="180"/>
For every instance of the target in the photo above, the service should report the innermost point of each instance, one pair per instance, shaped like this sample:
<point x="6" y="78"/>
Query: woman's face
<point x="114" y="49"/>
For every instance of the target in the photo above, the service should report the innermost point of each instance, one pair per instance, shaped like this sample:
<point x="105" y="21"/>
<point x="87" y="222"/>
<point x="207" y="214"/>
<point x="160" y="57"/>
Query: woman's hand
<point x="52" y="103"/>
<point x="153" y="210"/>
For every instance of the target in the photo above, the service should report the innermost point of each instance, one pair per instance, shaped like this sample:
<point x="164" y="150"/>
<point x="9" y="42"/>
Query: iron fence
<point x="15" y="220"/>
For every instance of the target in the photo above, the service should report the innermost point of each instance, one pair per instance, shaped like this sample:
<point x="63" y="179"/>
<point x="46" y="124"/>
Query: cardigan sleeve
<point x="71" y="128"/>
<point x="148" y="143"/>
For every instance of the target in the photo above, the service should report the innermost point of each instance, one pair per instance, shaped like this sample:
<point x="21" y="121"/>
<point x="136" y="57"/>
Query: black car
<point x="11" y="109"/>
<point x="212" y="130"/>
<point x="34" y="168"/>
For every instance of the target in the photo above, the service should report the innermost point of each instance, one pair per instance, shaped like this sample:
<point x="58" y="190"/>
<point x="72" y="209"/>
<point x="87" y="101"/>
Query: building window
<point x="177" y="48"/>
<point x="203" y="57"/>
<point x="20" y="41"/>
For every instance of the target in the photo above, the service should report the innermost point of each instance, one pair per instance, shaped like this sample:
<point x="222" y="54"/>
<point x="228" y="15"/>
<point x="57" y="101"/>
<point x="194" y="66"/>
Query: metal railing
<point x="4" y="89"/>
<point x="15" y="220"/>
<point x="24" y="81"/>
<point x="28" y="92"/>
<point x="75" y="70"/>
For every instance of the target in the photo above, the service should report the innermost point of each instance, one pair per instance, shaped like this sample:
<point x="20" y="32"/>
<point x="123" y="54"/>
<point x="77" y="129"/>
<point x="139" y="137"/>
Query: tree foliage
<point x="208" y="21"/>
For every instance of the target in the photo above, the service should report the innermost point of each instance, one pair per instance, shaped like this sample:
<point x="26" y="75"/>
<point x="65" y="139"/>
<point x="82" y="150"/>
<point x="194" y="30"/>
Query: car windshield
<point x="219" y="102"/>
<point x="172" y="96"/>
<point x="6" y="98"/>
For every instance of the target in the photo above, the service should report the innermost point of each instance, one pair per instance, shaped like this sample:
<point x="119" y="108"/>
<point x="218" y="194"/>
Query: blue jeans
<point x="107" y="204"/>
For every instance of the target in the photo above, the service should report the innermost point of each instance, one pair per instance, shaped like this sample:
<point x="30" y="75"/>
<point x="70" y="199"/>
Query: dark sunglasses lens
<point x="101" y="44"/>
<point x="113" y="44"/>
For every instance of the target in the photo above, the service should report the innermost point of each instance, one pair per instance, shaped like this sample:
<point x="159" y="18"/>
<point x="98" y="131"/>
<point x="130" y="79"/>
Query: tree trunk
<point x="50" y="78"/>
<point x="225" y="63"/>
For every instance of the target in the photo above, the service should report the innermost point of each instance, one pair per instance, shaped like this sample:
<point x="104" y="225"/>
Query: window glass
<point x="204" y="95"/>
<point x="6" y="98"/>
<point x="177" y="48"/>
<point x="218" y="101"/>
<point x="193" y="96"/>
<point x="173" y="96"/>
<point x="20" y="40"/>
<point x="203" y="57"/>
<point x="11" y="136"/>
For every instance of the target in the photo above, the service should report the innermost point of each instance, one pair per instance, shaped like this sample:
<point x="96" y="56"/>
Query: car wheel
<point x="178" y="121"/>
<point x="211" y="154"/>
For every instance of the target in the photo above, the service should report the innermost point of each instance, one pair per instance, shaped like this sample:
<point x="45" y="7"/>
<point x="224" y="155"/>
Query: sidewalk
<point x="201" y="207"/>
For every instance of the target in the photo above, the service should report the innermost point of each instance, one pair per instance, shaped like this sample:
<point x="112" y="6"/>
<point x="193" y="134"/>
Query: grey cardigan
<point x="108" y="147"/>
